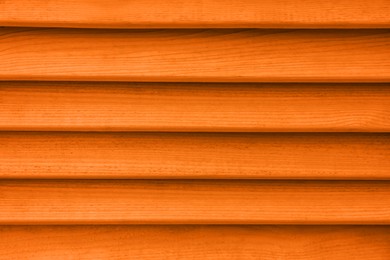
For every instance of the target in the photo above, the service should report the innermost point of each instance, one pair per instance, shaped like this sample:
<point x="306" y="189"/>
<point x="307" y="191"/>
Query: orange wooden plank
<point x="210" y="156"/>
<point x="194" y="202"/>
<point x="196" y="13"/>
<point x="195" y="55"/>
<point x="194" y="242"/>
<point x="65" y="106"/>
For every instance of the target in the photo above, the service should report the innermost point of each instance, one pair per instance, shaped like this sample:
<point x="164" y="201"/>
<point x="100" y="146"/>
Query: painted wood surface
<point x="194" y="202"/>
<point x="194" y="242"/>
<point x="194" y="156"/>
<point x="206" y="130"/>
<point x="195" y="55"/>
<point x="196" y="13"/>
<point x="196" y="107"/>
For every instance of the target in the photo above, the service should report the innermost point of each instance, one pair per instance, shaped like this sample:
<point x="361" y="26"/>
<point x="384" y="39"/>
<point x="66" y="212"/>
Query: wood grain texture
<point x="195" y="55"/>
<point x="178" y="155"/>
<point x="196" y="13"/>
<point x="193" y="202"/>
<point x="67" y="106"/>
<point x="195" y="242"/>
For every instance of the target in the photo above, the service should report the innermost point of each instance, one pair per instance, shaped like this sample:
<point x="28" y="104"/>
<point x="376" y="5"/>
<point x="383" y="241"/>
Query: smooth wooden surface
<point x="67" y="106"/>
<point x="196" y="13"/>
<point x="195" y="242"/>
<point x="195" y="55"/>
<point x="194" y="202"/>
<point x="179" y="155"/>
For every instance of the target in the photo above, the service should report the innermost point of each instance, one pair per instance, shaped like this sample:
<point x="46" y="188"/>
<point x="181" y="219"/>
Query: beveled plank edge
<point x="306" y="162"/>
<point x="364" y="92"/>
<point x="173" y="195"/>
<point x="173" y="242"/>
<point x="195" y="13"/>
<point x="176" y="72"/>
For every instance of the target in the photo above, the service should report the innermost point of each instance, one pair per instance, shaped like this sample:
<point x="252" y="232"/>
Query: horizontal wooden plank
<point x="195" y="55"/>
<point x="194" y="202"/>
<point x="204" y="107"/>
<point x="177" y="155"/>
<point x="195" y="242"/>
<point x="196" y="13"/>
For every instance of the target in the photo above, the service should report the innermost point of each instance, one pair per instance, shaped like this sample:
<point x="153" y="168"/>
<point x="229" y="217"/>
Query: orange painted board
<point x="193" y="202"/>
<point x="196" y="13"/>
<point x="196" y="107"/>
<point x="248" y="55"/>
<point x="194" y="156"/>
<point x="194" y="242"/>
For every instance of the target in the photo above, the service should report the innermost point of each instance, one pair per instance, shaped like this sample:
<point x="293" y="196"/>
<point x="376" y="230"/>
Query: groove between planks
<point x="194" y="202"/>
<point x="203" y="107"/>
<point x="208" y="156"/>
<point x="196" y="13"/>
<point x="195" y="55"/>
<point x="211" y="242"/>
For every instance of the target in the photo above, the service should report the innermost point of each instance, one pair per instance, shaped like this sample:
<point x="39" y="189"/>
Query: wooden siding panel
<point x="194" y="202"/>
<point x="195" y="242"/>
<point x="97" y="106"/>
<point x="196" y="13"/>
<point x="195" y="55"/>
<point x="195" y="129"/>
<point x="179" y="155"/>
